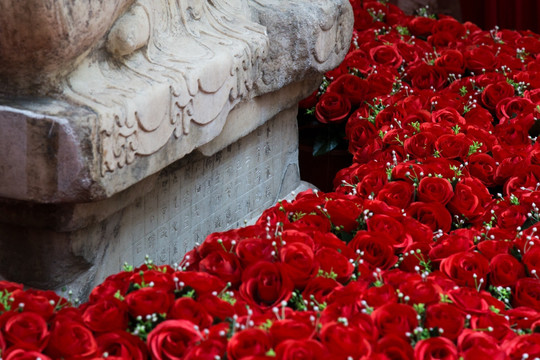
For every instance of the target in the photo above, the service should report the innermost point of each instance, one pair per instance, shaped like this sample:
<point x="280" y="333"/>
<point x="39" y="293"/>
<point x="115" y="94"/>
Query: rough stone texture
<point x="139" y="126"/>
<point x="164" y="216"/>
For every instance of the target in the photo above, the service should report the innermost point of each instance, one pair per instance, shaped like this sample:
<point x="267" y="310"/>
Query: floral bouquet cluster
<point x="428" y="248"/>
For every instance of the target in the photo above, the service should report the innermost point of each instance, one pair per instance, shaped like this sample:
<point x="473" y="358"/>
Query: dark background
<point x="507" y="14"/>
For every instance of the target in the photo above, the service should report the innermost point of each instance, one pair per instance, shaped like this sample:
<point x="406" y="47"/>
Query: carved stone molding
<point x="157" y="83"/>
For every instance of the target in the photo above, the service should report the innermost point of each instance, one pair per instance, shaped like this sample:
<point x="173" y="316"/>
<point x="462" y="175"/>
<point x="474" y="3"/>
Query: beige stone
<point x="158" y="85"/>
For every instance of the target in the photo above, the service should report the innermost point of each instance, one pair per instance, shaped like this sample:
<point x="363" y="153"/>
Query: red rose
<point x="499" y="324"/>
<point x="36" y="302"/>
<point x="188" y="309"/>
<point x="381" y="83"/>
<point x="298" y="262"/>
<point x="106" y="315"/>
<point x="320" y="287"/>
<point x="217" y="308"/>
<point x="251" y="250"/>
<point x="359" y="132"/>
<point x="288" y="329"/>
<point x="171" y="339"/>
<point x="435" y="348"/>
<point x="26" y="330"/>
<point x="202" y="283"/>
<point x="452" y="61"/>
<point x="394" y="347"/>
<point x="483" y="167"/>
<point x="435" y="189"/>
<point x="311" y="223"/>
<point x="534" y="154"/>
<point x="510" y="166"/>
<point x="511" y="217"/>
<point x="519" y="184"/>
<point x="122" y="345"/>
<point x="332" y="108"/>
<point x="421" y="26"/>
<point x="301" y="349"/>
<point x="480" y="59"/>
<point x="357" y="60"/>
<point x="511" y="107"/>
<point x="248" y="342"/>
<point x="372" y="183"/>
<point x="449" y="24"/>
<point x="392" y="227"/>
<point x="218" y="241"/>
<point x="446" y="317"/>
<point x="466" y="202"/>
<point x="421" y="291"/>
<point x="157" y="278"/>
<point x="513" y="134"/>
<point x="10" y="286"/>
<point x="447" y="116"/>
<point x="375" y="296"/>
<point x="345" y="301"/>
<point x="449" y="244"/>
<point x="505" y="270"/>
<point x="424" y="76"/>
<point x="147" y="301"/>
<point x="527" y="293"/>
<point x="343" y="213"/>
<point x="493" y="93"/>
<point x="207" y="350"/>
<point x="394" y="318"/>
<point x="265" y="285"/>
<point x="479" y="345"/>
<point x="421" y="233"/>
<point x="431" y="214"/>
<point x="350" y="86"/>
<point x="523" y="347"/>
<point x="522" y="317"/>
<point x="452" y="146"/>
<point x="224" y="265"/>
<point x="344" y="341"/>
<point x="331" y="260"/>
<point x="409" y="52"/>
<point x="466" y="268"/>
<point x="420" y="145"/>
<point x="479" y="117"/>
<point x="22" y="354"/>
<point x="470" y="300"/>
<point x="111" y="285"/>
<point x="491" y="248"/>
<point x="385" y="55"/>
<point x="71" y="340"/>
<point x="531" y="257"/>
<point x="397" y="193"/>
<point x="376" y="247"/>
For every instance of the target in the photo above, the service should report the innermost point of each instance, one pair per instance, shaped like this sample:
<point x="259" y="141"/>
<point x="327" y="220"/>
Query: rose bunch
<point x="428" y="248"/>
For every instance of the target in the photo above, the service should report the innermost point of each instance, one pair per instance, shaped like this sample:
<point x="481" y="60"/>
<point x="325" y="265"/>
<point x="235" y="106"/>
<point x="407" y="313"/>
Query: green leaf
<point x="324" y="146"/>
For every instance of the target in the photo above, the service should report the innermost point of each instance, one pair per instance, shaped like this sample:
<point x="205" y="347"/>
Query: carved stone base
<point x="163" y="216"/>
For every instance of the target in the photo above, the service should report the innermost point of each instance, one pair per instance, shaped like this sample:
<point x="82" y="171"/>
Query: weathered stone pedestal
<point x="170" y="120"/>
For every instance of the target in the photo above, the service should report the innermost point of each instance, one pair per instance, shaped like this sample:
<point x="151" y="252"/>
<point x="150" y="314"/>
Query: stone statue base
<point x="146" y="131"/>
<point x="54" y="246"/>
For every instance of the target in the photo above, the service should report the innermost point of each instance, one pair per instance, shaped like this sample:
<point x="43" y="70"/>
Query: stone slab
<point x="163" y="217"/>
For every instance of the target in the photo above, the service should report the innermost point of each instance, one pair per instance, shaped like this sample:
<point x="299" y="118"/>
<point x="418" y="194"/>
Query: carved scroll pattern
<point x="190" y="63"/>
<point x="198" y="63"/>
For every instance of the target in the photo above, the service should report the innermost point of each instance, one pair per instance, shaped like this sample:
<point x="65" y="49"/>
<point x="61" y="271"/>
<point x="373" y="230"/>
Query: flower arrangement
<point x="428" y="248"/>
